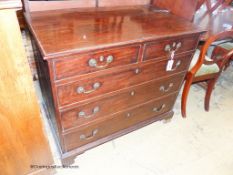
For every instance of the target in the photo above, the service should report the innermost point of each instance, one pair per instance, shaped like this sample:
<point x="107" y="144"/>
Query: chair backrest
<point x="210" y="5"/>
<point x="223" y="36"/>
<point x="182" y="8"/>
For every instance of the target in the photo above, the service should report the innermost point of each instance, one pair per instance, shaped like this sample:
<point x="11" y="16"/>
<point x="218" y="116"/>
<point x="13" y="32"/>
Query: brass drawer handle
<point x="95" y="86"/>
<point x="174" y="47"/>
<point x="128" y="115"/>
<point x="160" y="108"/>
<point x="93" y="63"/>
<point x="132" y="93"/>
<point x="177" y="65"/>
<point x="164" y="89"/>
<point x="84" y="115"/>
<point x="93" y="133"/>
<point x="137" y="71"/>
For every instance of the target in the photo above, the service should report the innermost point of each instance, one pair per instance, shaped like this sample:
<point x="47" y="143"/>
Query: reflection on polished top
<point x="75" y="30"/>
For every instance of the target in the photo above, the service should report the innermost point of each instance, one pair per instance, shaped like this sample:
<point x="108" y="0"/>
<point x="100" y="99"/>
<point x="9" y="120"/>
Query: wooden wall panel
<point x="22" y="139"/>
<point x="182" y="8"/>
<point x="55" y="5"/>
<point x="107" y="3"/>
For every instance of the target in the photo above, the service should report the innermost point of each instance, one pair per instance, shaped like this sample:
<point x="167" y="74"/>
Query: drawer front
<point x="86" y="89"/>
<point x="118" y="122"/>
<point x="92" y="62"/>
<point x="90" y="112"/>
<point x="155" y="50"/>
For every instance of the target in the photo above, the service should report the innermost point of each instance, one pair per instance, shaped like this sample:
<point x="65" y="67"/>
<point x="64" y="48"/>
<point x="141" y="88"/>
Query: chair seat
<point x="204" y="69"/>
<point x="227" y="46"/>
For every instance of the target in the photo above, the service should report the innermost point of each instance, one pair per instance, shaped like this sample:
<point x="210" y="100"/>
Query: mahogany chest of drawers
<point x="104" y="72"/>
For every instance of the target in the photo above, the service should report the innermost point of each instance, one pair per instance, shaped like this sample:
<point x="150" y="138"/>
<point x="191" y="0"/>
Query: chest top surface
<point x="77" y="30"/>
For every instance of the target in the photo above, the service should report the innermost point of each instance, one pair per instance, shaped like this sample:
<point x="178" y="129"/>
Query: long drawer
<point x="118" y="122"/>
<point x="78" y="64"/>
<point x="136" y="74"/>
<point x="89" y="112"/>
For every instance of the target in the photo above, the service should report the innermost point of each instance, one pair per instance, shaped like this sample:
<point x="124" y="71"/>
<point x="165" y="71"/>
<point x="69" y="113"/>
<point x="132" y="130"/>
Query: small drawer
<point x="103" y="84"/>
<point x="117" y="122"/>
<point x="92" y="111"/>
<point x="75" y="65"/>
<point x="158" y="49"/>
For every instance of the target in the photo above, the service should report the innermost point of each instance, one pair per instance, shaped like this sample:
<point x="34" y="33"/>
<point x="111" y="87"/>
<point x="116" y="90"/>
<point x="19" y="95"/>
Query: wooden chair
<point x="212" y="5"/>
<point x="177" y="7"/>
<point x="223" y="49"/>
<point x="206" y="69"/>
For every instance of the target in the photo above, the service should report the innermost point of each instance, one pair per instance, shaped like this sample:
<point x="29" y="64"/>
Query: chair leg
<point x="210" y="87"/>
<point x="185" y="93"/>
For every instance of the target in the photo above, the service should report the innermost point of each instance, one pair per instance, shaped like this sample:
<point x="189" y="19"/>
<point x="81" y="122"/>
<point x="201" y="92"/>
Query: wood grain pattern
<point x="68" y="93"/>
<point x="56" y="5"/>
<point x="154" y="50"/>
<point x="77" y="30"/>
<point x="66" y="4"/>
<point x="107" y="3"/>
<point x="69" y="156"/>
<point x="119" y="121"/>
<point x="74" y="65"/>
<point x="121" y="101"/>
<point x="22" y="138"/>
<point x="67" y="38"/>
<point x="17" y="6"/>
<point x="21" y="19"/>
